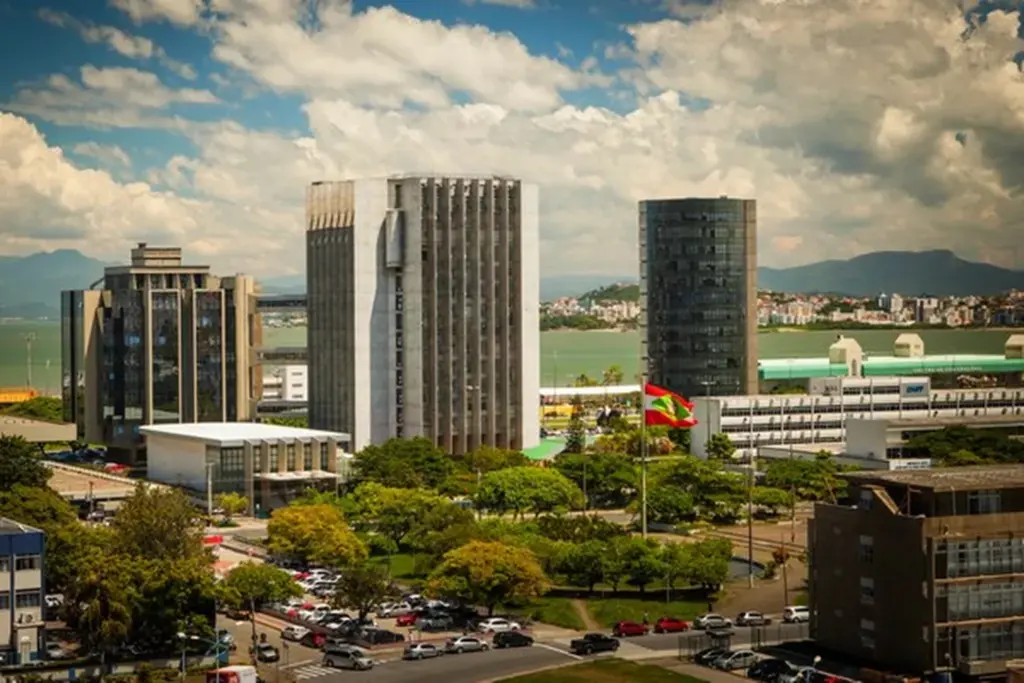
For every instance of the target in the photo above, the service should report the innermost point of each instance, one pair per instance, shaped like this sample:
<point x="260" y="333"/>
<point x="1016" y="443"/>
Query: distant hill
<point x="619" y="291"/>
<point x="911" y="273"/>
<point x="30" y="286"/>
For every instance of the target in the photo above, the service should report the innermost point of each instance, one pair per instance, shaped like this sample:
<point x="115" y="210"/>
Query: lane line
<point x="559" y="651"/>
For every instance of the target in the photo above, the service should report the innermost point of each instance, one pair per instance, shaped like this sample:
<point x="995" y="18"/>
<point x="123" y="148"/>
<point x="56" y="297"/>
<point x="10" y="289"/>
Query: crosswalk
<point x="309" y="671"/>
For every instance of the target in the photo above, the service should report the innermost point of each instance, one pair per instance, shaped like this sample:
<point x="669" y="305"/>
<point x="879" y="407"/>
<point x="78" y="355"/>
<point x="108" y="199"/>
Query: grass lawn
<point x="607" y="611"/>
<point x="557" y="612"/>
<point x="605" y="671"/>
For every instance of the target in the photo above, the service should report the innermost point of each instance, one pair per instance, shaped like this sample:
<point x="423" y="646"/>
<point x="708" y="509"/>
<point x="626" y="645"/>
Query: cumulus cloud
<point x="858" y="125"/>
<point x="108" y="155"/>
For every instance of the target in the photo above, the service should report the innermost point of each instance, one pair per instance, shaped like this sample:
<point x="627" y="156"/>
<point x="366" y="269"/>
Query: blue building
<point x="22" y="601"/>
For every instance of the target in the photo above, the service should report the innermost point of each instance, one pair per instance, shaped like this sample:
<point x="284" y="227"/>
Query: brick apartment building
<point x="925" y="572"/>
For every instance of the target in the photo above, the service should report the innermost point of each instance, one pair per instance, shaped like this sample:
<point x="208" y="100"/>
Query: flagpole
<point x="643" y="449"/>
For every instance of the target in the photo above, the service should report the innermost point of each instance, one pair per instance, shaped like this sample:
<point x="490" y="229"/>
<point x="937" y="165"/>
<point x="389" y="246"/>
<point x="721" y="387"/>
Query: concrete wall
<point x="528" y="306"/>
<point x="177" y="461"/>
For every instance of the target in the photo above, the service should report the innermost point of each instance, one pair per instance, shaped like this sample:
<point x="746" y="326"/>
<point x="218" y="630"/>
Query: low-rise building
<point x="21" y="592"/>
<point x="268" y="464"/>
<point x="922" y="573"/>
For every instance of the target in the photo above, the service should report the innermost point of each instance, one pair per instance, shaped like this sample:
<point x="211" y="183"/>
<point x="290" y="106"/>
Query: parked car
<point x="497" y="625"/>
<point x="629" y="628"/>
<point x="769" y="670"/>
<point x="347" y="659"/>
<point x="380" y="636"/>
<point x="593" y="642"/>
<point x="709" y="655"/>
<point x="295" y="633"/>
<point x="465" y="644"/>
<point x="511" y="639"/>
<point x="740" y="659"/>
<point x="435" y="624"/>
<point x="796" y="614"/>
<point x="57" y="651"/>
<point x="406" y="619"/>
<point x="671" y="625"/>
<point x="265" y="652"/>
<point x="388" y="611"/>
<point x="752" y="619"/>
<point x="711" y="621"/>
<point x="421" y="651"/>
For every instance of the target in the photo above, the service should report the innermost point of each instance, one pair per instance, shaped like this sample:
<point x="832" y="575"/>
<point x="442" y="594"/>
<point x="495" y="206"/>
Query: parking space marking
<point x="559" y="651"/>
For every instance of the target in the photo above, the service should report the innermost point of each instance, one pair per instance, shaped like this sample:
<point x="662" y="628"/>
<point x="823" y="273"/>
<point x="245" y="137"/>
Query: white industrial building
<point x="268" y="464"/>
<point x="287" y="383"/>
<point x="423" y="305"/>
<point x="823" y="416"/>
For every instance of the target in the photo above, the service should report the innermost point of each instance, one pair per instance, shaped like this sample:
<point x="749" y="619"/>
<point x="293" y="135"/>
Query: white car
<point x="796" y="614"/>
<point x="295" y="633"/>
<point x="711" y="621"/>
<point x="395" y="610"/>
<point x="497" y="625"/>
<point x="316" y="613"/>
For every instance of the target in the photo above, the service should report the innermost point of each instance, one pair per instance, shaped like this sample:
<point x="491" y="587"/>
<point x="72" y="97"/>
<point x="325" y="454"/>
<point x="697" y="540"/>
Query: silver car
<point x="465" y="644"/>
<point x="421" y="651"/>
<point x="347" y="659"/>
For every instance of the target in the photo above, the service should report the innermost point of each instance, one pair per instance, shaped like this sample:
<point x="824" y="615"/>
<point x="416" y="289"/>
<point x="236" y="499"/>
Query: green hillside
<point x="620" y="291"/>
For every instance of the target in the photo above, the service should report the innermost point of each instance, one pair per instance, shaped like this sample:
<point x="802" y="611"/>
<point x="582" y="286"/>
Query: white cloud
<point x="107" y="155"/>
<point x="133" y="47"/>
<point x="179" y="12"/>
<point x="518" y="4"/>
<point x="858" y="125"/>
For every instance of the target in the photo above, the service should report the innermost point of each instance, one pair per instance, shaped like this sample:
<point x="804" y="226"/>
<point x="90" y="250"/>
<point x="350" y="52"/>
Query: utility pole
<point x="209" y="489"/>
<point x="785" y="572"/>
<point x="750" y="526"/>
<point x="29" y="338"/>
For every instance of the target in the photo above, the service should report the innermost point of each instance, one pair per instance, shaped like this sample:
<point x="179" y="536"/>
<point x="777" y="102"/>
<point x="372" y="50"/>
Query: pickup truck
<point x="593" y="642"/>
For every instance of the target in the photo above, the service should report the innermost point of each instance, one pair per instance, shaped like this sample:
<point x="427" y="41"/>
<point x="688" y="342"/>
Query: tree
<point x="395" y="513"/>
<point x="21" y="464"/>
<point x="489" y="573"/>
<point x="669" y="505"/>
<point x="527" y="489"/>
<point x="608" y="478"/>
<point x="579" y="528"/>
<point x="808" y="479"/>
<point x="363" y="586"/>
<point x="172" y="596"/>
<point x="719" y="447"/>
<point x="716" y="493"/>
<point x="158" y="524"/>
<point x="582" y="564"/>
<point x="676" y="559"/>
<point x="576" y="434"/>
<point x="250" y="585"/>
<point x="771" y="499"/>
<point x="232" y="504"/>
<point x="484" y="459"/>
<point x="642" y="561"/>
<point x="44" y="509"/>
<point x="404" y="463"/>
<point x="583" y="380"/>
<point x="99" y="602"/>
<point x="612" y="376"/>
<point x="709" y="563"/>
<point x="314" y="534"/>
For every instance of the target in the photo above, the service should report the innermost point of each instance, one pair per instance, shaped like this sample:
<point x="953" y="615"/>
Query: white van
<point x="796" y="614"/>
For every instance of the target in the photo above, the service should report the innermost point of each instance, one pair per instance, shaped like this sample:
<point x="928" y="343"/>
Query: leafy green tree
<point x="808" y="479"/>
<point x="489" y="574"/>
<point x="314" y="534"/>
<point x="719" y="447"/>
<point x="250" y="585"/>
<point x="668" y="505"/>
<point x="233" y="504"/>
<point x="21" y="464"/>
<point x="484" y="459"/>
<point x="578" y="528"/>
<point x="642" y="560"/>
<point x="299" y="422"/>
<point x="171" y="595"/>
<point x="404" y="463"/>
<point x="100" y="602"/>
<point x="612" y="376"/>
<point x="363" y="586"/>
<point x="396" y="513"/>
<point x="527" y="489"/>
<point x="709" y="563"/>
<point x="158" y="524"/>
<point x="582" y="564"/>
<point x="682" y="438"/>
<point x="676" y="559"/>
<point x="609" y="478"/>
<point x="584" y="380"/>
<point x="771" y="499"/>
<point x="717" y="494"/>
<point x="616" y="562"/>
<point x="576" y="433"/>
<point x="44" y="509"/>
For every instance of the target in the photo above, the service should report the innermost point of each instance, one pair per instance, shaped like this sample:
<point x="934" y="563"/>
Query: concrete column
<point x="282" y="456"/>
<point x="314" y="446"/>
<point x="250" y="463"/>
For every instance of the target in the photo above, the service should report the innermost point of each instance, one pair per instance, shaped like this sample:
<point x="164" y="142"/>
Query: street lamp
<point x="185" y="638"/>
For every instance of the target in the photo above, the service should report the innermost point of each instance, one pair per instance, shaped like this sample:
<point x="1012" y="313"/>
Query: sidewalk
<point x="703" y="673"/>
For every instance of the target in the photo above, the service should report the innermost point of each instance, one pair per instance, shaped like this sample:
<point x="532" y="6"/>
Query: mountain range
<point x="30" y="286"/>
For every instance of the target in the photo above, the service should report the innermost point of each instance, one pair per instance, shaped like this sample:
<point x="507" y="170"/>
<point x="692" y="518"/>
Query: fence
<point x="753" y="637"/>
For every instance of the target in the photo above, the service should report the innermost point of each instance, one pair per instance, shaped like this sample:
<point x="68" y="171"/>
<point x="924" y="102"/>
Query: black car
<point x="769" y="670"/>
<point x="379" y="636"/>
<point x="593" y="642"/>
<point x="512" y="639"/>
<point x="435" y="623"/>
<point x="705" y="657"/>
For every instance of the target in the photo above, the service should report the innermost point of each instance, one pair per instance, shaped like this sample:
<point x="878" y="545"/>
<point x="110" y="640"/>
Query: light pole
<point x="209" y="489"/>
<point x="29" y="338"/>
<point x="185" y="638"/>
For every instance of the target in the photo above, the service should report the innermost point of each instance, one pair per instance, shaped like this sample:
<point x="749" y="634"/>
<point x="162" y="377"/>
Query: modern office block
<point x="920" y="575"/>
<point x="162" y="342"/>
<point x="22" y="623"/>
<point x="423" y="305"/>
<point x="698" y="295"/>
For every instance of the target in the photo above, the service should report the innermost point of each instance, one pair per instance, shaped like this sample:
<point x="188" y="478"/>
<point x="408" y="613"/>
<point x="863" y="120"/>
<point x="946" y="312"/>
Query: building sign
<point x="915" y="390"/>
<point x="911" y="464"/>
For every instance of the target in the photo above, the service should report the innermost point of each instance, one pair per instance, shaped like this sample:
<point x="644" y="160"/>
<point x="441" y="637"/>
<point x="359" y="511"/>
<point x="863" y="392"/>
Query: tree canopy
<point x="21" y="464"/>
<point x="527" y="489"/>
<point x="363" y="586"/>
<point x="489" y="573"/>
<point x="404" y="463"/>
<point x="315" y="534"/>
<point x="250" y="585"/>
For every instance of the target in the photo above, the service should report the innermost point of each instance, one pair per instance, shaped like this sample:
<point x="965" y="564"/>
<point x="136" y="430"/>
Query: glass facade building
<point x="698" y="266"/>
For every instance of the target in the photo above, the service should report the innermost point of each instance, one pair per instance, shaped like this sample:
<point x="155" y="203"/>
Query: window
<point x="307" y="456"/>
<point x="26" y="563"/>
<point x="290" y="462"/>
<point x="27" y="599"/>
<point x="867" y="625"/>
<point x="983" y="502"/>
<point x="5" y="600"/>
<point x="866" y="496"/>
<point x="867" y="641"/>
<point x="867" y="590"/>
<point x="324" y="450"/>
<point x="867" y="549"/>
<point x="5" y="564"/>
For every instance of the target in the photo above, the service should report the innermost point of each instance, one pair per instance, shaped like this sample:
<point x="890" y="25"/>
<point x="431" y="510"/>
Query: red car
<point x="671" y="625"/>
<point x="405" y="620"/>
<point x="628" y="628"/>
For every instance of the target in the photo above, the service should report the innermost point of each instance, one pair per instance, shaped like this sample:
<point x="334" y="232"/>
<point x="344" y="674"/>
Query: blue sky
<point x="855" y="131"/>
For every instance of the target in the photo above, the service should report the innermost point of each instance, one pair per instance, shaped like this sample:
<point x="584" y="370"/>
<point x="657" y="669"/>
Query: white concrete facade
<point x="287" y="383"/>
<point x="423" y="301"/>
<point x="822" y="416"/>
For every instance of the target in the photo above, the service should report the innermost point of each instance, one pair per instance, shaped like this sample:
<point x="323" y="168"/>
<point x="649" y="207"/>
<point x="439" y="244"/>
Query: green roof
<point x="799" y="368"/>
<point x="934" y="365"/>
<point x="546" y="449"/>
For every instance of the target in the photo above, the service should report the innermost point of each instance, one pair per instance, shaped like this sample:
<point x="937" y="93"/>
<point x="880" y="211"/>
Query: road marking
<point x="308" y="672"/>
<point x="559" y="651"/>
<point x="304" y="662"/>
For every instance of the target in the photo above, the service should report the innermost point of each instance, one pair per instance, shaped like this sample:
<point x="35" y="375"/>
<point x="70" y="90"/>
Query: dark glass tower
<point x="698" y="294"/>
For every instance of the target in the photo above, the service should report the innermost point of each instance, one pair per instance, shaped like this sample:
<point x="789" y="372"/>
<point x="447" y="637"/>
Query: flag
<point x="662" y="407"/>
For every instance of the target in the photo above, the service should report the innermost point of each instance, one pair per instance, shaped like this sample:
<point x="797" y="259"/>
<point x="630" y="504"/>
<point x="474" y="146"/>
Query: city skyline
<point x="145" y="121"/>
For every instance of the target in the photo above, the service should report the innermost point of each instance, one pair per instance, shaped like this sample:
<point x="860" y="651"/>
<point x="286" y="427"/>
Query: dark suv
<point x="511" y="639"/>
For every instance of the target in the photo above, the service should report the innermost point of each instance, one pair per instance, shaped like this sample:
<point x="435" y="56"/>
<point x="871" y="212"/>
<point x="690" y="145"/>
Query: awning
<point x="546" y="449"/>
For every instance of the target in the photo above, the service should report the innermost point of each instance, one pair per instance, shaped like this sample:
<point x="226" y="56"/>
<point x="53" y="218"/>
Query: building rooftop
<point x="874" y="366"/>
<point x="8" y="527"/>
<point x="946" y="478"/>
<point x="236" y="433"/>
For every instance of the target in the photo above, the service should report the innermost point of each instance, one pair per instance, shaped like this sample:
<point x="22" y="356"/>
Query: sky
<point x="857" y="125"/>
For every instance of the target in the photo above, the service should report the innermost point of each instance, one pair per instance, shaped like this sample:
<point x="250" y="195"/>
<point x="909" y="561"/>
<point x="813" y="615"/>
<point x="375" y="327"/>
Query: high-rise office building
<point x="698" y="294"/>
<point x="423" y="304"/>
<point x="161" y="342"/>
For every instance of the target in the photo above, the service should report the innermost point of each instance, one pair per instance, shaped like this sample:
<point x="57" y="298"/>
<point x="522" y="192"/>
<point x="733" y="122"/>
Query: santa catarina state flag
<point x="662" y="407"/>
